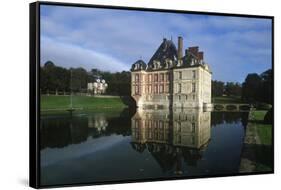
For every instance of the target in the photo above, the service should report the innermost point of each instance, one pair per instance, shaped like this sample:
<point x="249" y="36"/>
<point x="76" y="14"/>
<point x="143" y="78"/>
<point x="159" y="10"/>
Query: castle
<point x="171" y="79"/>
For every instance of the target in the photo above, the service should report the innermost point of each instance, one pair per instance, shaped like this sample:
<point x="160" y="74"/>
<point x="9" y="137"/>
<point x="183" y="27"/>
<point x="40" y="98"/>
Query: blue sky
<point x="112" y="40"/>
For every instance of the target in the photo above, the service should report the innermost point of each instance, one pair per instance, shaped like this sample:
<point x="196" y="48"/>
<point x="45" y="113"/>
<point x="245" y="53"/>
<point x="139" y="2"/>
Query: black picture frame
<point x="34" y="93"/>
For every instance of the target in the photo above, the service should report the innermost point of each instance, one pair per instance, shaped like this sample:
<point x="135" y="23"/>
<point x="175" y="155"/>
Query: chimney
<point x="194" y="50"/>
<point x="201" y="55"/>
<point x="180" y="47"/>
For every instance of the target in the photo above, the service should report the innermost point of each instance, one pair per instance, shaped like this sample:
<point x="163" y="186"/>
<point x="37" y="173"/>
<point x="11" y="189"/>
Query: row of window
<point x="157" y="89"/>
<point x="193" y="88"/>
<point x="161" y="77"/>
<point x="161" y="89"/>
<point x="184" y="97"/>
<point x="156" y="77"/>
<point x="180" y="74"/>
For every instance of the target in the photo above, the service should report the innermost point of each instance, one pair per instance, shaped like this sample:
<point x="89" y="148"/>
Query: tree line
<point x="255" y="88"/>
<point x="220" y="88"/>
<point x="58" y="80"/>
<point x="258" y="88"/>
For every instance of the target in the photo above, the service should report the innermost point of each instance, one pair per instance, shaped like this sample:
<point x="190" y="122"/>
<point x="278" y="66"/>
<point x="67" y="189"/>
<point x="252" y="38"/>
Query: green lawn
<point x="227" y="99"/>
<point x="263" y="130"/>
<point x="53" y="102"/>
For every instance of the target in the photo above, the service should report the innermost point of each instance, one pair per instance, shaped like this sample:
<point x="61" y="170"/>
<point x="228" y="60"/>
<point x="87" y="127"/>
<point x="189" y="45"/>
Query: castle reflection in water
<point x="155" y="143"/>
<point x="172" y="135"/>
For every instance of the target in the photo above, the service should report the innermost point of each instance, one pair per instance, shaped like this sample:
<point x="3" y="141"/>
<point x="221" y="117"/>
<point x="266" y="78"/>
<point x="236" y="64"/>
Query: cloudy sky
<point x="114" y="39"/>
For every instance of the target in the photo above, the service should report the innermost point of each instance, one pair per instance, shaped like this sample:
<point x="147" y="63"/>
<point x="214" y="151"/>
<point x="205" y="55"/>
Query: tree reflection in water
<point x="147" y="143"/>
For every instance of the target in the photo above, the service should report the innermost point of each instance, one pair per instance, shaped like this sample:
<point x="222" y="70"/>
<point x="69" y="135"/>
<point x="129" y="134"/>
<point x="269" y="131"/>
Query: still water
<point x="129" y="145"/>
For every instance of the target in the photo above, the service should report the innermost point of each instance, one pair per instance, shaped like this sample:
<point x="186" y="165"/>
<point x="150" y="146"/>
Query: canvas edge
<point x="34" y="96"/>
<point x="34" y="164"/>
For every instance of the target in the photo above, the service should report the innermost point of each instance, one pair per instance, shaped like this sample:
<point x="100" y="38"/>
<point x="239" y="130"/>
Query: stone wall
<point x="180" y="88"/>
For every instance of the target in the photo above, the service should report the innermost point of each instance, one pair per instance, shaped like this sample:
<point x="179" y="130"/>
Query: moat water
<point x="131" y="145"/>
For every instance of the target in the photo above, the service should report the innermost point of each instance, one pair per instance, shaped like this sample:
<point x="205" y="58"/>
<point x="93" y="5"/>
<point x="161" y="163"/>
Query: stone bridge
<point x="231" y="107"/>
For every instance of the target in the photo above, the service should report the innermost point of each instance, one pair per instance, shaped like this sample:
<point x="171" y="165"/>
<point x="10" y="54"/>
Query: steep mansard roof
<point x="166" y="50"/>
<point x="166" y="57"/>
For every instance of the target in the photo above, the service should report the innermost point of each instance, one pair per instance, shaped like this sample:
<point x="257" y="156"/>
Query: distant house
<point x="98" y="87"/>
<point x="171" y="79"/>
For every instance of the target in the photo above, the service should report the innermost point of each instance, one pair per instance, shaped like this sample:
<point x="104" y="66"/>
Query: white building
<point x="98" y="87"/>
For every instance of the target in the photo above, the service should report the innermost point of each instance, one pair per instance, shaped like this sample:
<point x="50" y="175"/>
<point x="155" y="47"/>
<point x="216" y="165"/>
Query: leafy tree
<point x="251" y="88"/>
<point x="258" y="88"/>
<point x="79" y="77"/>
<point x="267" y="86"/>
<point x="217" y="88"/>
<point x="233" y="89"/>
<point x="53" y="78"/>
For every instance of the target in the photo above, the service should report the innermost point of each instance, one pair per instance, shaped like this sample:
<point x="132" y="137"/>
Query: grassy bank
<point x="264" y="134"/>
<point x="56" y="103"/>
<point x="227" y="99"/>
<point x="263" y="130"/>
<point x="257" y="148"/>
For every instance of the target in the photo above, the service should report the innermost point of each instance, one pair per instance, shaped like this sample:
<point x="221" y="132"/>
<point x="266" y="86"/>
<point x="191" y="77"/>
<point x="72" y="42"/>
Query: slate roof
<point x="141" y="65"/>
<point x="166" y="57"/>
<point x="167" y="49"/>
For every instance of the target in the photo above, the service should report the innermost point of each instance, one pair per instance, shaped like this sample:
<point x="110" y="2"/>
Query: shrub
<point x="268" y="117"/>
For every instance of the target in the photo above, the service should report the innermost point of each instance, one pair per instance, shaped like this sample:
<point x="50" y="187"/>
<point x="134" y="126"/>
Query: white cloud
<point x="241" y="45"/>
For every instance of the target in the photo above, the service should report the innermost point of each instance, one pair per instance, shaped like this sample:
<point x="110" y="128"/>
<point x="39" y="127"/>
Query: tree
<point x="267" y="86"/>
<point x="54" y="78"/>
<point x="258" y="88"/>
<point x="217" y="88"/>
<point x="251" y="88"/>
<point x="79" y="79"/>
<point x="233" y="89"/>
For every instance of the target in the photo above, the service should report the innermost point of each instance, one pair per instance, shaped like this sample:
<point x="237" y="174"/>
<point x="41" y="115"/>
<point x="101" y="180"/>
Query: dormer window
<point x="192" y="61"/>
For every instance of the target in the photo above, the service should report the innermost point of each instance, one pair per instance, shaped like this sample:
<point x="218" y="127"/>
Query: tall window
<point x="193" y="87"/>
<point x="149" y="89"/>
<point x="155" y="89"/>
<point x="162" y="77"/>
<point x="149" y="78"/>
<point x="155" y="77"/>
<point x="193" y="74"/>
<point x="137" y="78"/>
<point x="161" y="90"/>
<point x="137" y="89"/>
<point x="193" y="127"/>
<point x="167" y="77"/>
<point x="180" y="75"/>
<point x="179" y="88"/>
